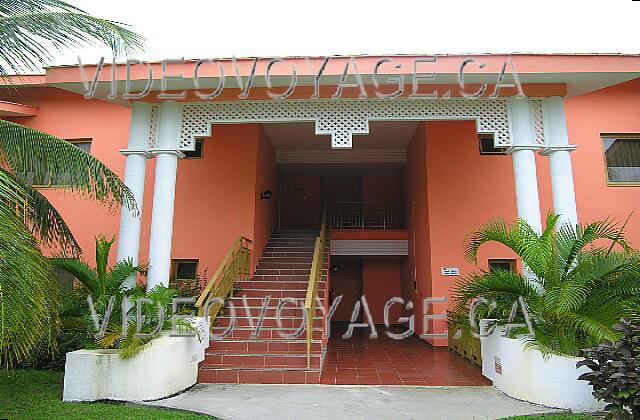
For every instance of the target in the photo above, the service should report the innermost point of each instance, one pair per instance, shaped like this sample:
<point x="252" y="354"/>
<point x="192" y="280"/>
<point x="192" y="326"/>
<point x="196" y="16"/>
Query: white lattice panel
<point x="342" y="118"/>
<point x="153" y="130"/>
<point x="538" y="124"/>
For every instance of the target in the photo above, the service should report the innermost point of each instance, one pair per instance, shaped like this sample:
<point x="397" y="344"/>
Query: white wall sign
<point x="450" y="271"/>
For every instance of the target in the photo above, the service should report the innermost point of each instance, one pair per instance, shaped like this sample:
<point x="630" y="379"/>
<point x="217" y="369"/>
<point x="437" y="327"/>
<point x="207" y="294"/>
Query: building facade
<point x="407" y="154"/>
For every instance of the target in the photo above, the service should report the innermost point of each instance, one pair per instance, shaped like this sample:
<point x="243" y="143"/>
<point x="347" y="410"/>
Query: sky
<point x="216" y="29"/>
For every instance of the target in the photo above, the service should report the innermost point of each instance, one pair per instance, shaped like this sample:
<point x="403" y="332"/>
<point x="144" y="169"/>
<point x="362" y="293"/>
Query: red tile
<point x="394" y="362"/>
<point x="293" y="377"/>
<point x="227" y="376"/>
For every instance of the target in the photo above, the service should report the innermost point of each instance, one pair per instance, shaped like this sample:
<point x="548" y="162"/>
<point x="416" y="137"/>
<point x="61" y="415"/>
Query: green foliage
<point x="28" y="295"/>
<point x="155" y="316"/>
<point x="74" y="333"/>
<point x="615" y="372"/>
<point x="29" y="29"/>
<point x="578" y="282"/>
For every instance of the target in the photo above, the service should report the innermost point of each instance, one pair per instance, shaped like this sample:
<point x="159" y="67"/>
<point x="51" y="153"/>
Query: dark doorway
<point x="301" y="202"/>
<point x="346" y="280"/>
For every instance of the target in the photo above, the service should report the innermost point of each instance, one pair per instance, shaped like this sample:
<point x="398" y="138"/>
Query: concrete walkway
<point x="302" y="402"/>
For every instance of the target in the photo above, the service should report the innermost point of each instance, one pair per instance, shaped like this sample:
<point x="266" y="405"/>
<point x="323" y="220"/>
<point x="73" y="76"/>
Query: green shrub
<point x="615" y="372"/>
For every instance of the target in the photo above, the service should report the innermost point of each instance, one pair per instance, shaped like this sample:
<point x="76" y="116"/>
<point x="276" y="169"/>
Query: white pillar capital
<point x="169" y="126"/>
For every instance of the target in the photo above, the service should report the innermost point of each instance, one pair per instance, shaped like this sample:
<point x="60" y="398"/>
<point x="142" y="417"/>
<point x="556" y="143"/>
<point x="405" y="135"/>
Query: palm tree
<point x="579" y="283"/>
<point x="101" y="283"/>
<point x="29" y="29"/>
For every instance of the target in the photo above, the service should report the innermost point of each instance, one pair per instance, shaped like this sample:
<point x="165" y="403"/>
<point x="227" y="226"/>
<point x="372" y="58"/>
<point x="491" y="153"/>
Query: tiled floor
<point x="385" y="361"/>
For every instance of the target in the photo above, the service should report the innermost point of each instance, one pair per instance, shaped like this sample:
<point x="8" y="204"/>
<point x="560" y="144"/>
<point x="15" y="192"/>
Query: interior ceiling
<point x="299" y="149"/>
<point x="302" y="136"/>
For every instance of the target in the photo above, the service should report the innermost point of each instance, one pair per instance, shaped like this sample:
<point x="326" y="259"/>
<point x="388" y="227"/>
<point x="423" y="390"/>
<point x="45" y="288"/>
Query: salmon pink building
<point x="340" y="176"/>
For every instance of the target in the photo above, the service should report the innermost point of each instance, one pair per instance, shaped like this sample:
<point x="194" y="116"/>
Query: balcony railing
<point x="365" y="215"/>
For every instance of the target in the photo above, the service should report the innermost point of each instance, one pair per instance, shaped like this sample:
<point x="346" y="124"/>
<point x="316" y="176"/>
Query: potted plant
<point x="577" y="283"/>
<point x="143" y="360"/>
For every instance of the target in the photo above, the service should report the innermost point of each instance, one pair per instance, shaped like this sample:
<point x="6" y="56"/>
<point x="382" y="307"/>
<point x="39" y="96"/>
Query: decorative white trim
<point x="516" y="147"/>
<point x="342" y="118"/>
<point x="156" y="152"/>
<point x="129" y="152"/>
<point x="547" y="150"/>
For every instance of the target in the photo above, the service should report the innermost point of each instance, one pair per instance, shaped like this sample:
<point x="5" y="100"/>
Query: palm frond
<point x="119" y="273"/>
<point x="28" y="30"/>
<point x="28" y="298"/>
<point x="103" y="247"/>
<point x="598" y="324"/>
<point x="81" y="271"/>
<point x="493" y="231"/>
<point x="27" y="150"/>
<point x="37" y="212"/>
<point x="572" y="241"/>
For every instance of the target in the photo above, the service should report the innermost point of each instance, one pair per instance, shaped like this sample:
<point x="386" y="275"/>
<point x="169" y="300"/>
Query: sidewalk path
<point x="335" y="402"/>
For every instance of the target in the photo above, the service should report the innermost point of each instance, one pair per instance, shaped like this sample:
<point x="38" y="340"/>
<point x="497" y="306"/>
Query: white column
<point x="134" y="172"/>
<point x="524" y="160"/>
<point x="559" y="150"/>
<point x="167" y="154"/>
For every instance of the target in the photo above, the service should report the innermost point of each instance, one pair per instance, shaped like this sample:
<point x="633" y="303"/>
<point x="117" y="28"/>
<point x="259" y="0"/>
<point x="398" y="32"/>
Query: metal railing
<point x="234" y="265"/>
<point x="365" y="215"/>
<point x="317" y="267"/>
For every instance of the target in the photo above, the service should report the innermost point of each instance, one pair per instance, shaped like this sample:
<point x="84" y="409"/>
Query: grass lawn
<point x="552" y="417"/>
<point x="30" y="394"/>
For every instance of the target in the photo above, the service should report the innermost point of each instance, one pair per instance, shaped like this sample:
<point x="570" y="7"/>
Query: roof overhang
<point x="12" y="109"/>
<point x="540" y="75"/>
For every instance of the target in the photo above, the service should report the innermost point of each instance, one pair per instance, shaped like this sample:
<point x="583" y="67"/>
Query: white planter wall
<point x="528" y="376"/>
<point x="165" y="367"/>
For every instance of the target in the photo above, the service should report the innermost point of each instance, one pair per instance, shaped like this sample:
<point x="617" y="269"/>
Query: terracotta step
<point x="259" y="376"/>
<point x="272" y="333"/>
<point x="285" y="264"/>
<point x="267" y="322"/>
<point x="275" y="284"/>
<point x="264" y="346"/>
<point x="287" y="259"/>
<point x="295" y="254"/>
<point x="284" y="277"/>
<point x="283" y="248"/>
<point x="272" y="311"/>
<point x="274" y="293"/>
<point x="257" y="360"/>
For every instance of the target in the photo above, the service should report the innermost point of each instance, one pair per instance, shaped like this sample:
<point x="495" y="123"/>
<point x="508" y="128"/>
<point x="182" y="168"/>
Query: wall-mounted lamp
<point x="266" y="195"/>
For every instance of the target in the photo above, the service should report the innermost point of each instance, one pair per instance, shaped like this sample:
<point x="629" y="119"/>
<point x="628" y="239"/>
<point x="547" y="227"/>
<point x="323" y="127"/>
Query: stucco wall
<point x="380" y="282"/>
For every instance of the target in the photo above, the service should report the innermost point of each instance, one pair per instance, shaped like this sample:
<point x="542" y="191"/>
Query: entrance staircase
<point x="271" y="356"/>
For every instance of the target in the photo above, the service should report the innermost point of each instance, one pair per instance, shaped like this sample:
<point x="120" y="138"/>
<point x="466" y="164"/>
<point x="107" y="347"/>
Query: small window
<point x="622" y="155"/>
<point x="84" y="144"/>
<point x="185" y="269"/>
<point x="487" y="146"/>
<point x="197" y="153"/>
<point x="502" y="264"/>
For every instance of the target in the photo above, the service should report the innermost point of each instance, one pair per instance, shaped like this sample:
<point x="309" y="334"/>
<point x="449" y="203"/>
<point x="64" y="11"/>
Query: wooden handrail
<point x="234" y="265"/>
<point x="317" y="266"/>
